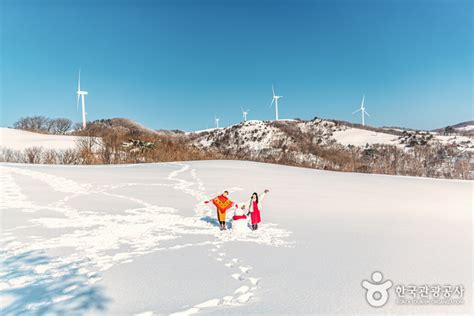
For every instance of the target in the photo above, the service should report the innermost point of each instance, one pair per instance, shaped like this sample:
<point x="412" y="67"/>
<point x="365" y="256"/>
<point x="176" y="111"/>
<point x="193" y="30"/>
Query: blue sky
<point x="176" y="64"/>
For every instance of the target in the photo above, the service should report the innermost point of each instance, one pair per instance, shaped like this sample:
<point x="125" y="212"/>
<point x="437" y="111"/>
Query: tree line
<point x="45" y="125"/>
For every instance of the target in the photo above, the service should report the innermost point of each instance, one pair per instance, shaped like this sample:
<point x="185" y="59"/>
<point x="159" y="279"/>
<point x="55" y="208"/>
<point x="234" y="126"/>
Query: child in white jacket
<point x="240" y="221"/>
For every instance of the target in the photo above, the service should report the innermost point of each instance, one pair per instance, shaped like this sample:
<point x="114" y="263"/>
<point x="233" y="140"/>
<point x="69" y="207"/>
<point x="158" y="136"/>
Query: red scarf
<point x="222" y="203"/>
<point x="237" y="217"/>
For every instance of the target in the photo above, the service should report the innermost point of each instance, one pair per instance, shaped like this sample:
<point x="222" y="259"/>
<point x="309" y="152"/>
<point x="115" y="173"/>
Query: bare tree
<point x="86" y="147"/>
<point x="44" y="124"/>
<point x="60" y="126"/>
<point x="77" y="127"/>
<point x="68" y="157"/>
<point x="9" y="155"/>
<point x="50" y="157"/>
<point x="33" y="154"/>
<point x="35" y="123"/>
<point x="50" y="126"/>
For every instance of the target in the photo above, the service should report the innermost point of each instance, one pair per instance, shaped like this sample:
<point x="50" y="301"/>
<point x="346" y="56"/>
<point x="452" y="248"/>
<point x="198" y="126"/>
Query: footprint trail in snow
<point x="244" y="292"/>
<point x="97" y="238"/>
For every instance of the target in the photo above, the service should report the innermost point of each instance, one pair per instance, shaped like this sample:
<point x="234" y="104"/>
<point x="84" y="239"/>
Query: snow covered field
<point x="19" y="140"/>
<point x="361" y="137"/>
<point x="137" y="239"/>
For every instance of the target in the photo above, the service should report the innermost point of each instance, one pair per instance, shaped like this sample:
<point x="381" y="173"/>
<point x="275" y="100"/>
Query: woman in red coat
<point x="255" y="207"/>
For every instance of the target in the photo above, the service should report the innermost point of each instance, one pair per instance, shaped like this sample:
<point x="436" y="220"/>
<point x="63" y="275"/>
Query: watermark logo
<point x="377" y="291"/>
<point x="429" y="294"/>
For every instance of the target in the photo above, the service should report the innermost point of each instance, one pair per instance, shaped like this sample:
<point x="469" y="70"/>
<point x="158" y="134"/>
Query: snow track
<point x="138" y="239"/>
<point x="243" y="293"/>
<point x="100" y="241"/>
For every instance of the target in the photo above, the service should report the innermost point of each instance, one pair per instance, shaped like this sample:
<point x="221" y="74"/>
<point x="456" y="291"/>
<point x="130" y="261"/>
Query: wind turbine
<point x="275" y="99"/>
<point x="362" y="110"/>
<point x="244" y="113"/>
<point x="216" y="119"/>
<point x="83" y="94"/>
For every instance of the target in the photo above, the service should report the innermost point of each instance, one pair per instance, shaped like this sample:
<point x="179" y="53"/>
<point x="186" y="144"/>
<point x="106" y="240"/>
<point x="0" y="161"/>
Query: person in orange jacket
<point x="222" y="203"/>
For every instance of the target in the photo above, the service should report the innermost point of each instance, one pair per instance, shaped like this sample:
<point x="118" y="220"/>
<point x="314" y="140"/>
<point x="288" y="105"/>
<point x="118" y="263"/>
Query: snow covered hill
<point x="137" y="239"/>
<point x="362" y="137"/>
<point x="16" y="139"/>
<point x="319" y="144"/>
<point x="342" y="146"/>
<point x="464" y="128"/>
<point x="266" y="135"/>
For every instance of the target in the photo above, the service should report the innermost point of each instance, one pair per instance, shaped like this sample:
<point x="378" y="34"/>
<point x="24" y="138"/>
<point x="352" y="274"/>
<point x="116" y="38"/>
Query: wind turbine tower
<point x="216" y="119"/>
<point x="275" y="99"/>
<point x="81" y="95"/>
<point x="244" y="114"/>
<point x="362" y="110"/>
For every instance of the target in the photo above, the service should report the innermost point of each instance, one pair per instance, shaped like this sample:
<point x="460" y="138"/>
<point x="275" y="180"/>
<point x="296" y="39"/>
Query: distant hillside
<point x="342" y="146"/>
<point x="124" y="125"/>
<point x="318" y="143"/>
<point x="397" y="128"/>
<point x="463" y="128"/>
<point x="462" y="125"/>
<point x="257" y="137"/>
<point x="105" y="141"/>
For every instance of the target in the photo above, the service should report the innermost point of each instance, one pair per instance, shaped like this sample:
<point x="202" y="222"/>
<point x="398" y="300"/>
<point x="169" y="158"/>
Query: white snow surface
<point x="361" y="137"/>
<point x="138" y="240"/>
<point x="19" y="140"/>
<point x="465" y="128"/>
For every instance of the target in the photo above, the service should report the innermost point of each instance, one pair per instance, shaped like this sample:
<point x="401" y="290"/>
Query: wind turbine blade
<point x="273" y="90"/>
<point x="356" y="111"/>
<point x="366" y="113"/>
<point x="363" y="99"/>
<point x="273" y="100"/>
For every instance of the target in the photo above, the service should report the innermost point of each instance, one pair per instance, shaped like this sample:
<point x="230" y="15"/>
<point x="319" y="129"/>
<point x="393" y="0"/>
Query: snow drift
<point x="137" y="239"/>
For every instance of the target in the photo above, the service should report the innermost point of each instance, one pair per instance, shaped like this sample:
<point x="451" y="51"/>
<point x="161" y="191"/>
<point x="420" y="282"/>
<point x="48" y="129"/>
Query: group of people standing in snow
<point x="240" y="218"/>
